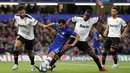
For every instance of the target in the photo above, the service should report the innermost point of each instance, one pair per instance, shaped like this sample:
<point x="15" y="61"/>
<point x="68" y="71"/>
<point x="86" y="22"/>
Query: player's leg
<point x="29" y="48"/>
<point x="53" y="49"/>
<point x="107" y="44"/>
<point x="59" y="54"/>
<point x="17" y="46"/>
<point x="104" y="54"/>
<point x="113" y="51"/>
<point x="96" y="51"/>
<point x="31" y="57"/>
<point x="96" y="59"/>
<point x="84" y="47"/>
<point x="99" y="49"/>
<point x="65" y="48"/>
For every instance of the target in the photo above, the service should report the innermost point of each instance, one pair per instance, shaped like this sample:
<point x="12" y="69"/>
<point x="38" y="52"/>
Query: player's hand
<point x="72" y="45"/>
<point x="44" y="26"/>
<point x="122" y="36"/>
<point x="100" y="3"/>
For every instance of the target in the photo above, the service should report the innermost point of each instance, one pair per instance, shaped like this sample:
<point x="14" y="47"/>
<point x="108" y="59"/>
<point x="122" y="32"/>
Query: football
<point x="43" y="68"/>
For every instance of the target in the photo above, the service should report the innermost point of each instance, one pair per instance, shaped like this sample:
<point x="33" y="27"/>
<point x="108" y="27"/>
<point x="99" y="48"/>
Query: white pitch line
<point x="93" y="65"/>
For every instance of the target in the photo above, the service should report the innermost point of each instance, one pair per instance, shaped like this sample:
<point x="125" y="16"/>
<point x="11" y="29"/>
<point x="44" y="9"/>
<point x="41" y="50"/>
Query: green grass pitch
<point x="66" y="67"/>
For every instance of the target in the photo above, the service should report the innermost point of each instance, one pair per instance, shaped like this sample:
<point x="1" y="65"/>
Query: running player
<point x="83" y="27"/>
<point x="114" y="35"/>
<point x="62" y="36"/>
<point x="26" y="36"/>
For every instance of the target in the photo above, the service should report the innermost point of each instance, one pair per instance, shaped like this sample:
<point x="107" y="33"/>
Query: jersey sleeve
<point x="34" y="21"/>
<point x="75" y="19"/>
<point x="108" y="20"/>
<point x="95" y="19"/>
<point x="15" y="21"/>
<point x="71" y="32"/>
<point x="55" y="25"/>
<point x="123" y="23"/>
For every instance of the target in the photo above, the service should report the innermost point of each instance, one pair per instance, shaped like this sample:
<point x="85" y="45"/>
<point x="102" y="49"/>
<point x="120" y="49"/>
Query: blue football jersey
<point x="62" y="36"/>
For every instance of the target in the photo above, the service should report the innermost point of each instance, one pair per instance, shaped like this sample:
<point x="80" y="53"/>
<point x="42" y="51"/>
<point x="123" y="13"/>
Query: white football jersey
<point x="115" y="26"/>
<point x="83" y="27"/>
<point x="25" y="26"/>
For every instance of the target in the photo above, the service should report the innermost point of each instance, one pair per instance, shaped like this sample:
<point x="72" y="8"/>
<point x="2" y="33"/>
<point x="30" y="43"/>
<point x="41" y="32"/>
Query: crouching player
<point x="62" y="36"/>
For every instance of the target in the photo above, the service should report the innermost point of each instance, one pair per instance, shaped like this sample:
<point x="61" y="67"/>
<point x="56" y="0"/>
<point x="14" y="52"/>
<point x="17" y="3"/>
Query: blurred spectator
<point x="122" y="10"/>
<point x="118" y="0"/>
<point x="128" y="10"/>
<point x="128" y="0"/>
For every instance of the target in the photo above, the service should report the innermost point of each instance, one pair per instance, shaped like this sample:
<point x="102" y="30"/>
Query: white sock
<point x="48" y="60"/>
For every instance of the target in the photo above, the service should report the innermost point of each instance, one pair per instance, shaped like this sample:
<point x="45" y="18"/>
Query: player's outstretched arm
<point x="124" y="32"/>
<point x="106" y="32"/>
<point x="43" y="25"/>
<point x="69" y="21"/>
<point x="51" y="29"/>
<point x="126" y="28"/>
<point x="102" y="15"/>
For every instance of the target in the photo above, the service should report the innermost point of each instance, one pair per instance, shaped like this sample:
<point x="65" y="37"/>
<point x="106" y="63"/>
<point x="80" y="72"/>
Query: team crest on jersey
<point x="117" y="21"/>
<point x="88" y="22"/>
<point x="30" y="23"/>
<point x="63" y="33"/>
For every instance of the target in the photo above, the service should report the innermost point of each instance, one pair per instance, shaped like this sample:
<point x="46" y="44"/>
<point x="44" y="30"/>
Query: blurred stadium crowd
<point x="44" y="38"/>
<point x="34" y="9"/>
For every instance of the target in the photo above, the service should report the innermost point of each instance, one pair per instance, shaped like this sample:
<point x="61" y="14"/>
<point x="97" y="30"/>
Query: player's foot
<point x="54" y="66"/>
<point x="115" y="66"/>
<point x="33" y="67"/>
<point x="37" y="68"/>
<point x="103" y="69"/>
<point x="15" y="67"/>
<point x="49" y="68"/>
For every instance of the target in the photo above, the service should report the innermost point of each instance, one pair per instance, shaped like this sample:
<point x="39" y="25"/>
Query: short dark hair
<point x="19" y="8"/>
<point x="61" y="21"/>
<point x="89" y="11"/>
<point x="114" y="7"/>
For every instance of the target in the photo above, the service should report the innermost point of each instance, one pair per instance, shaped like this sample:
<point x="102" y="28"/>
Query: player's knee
<point x="105" y="50"/>
<point x="52" y="54"/>
<point x="56" y="57"/>
<point x="112" y="50"/>
<point x="16" y="50"/>
<point x="59" y="54"/>
<point x="17" y="47"/>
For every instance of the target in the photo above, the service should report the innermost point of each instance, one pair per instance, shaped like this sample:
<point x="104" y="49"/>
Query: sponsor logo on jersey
<point x="24" y="26"/>
<point x="113" y="25"/>
<point x="84" y="26"/>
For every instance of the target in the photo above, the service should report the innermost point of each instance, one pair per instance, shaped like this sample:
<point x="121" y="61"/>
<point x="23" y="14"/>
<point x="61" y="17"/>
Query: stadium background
<point x="50" y="11"/>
